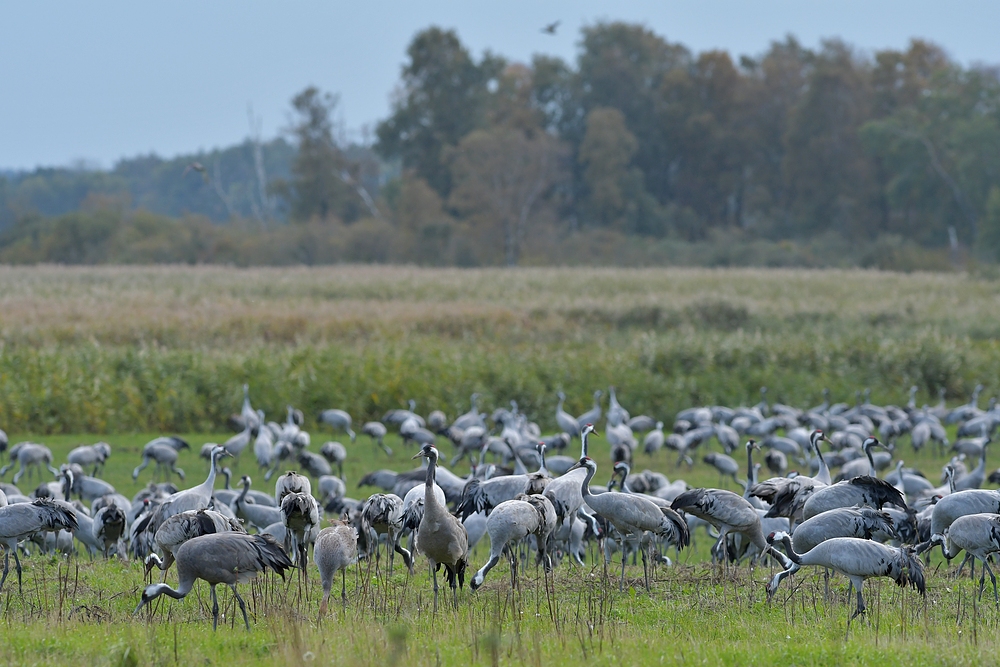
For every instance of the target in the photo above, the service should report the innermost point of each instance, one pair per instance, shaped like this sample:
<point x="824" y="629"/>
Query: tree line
<point x="640" y="151"/>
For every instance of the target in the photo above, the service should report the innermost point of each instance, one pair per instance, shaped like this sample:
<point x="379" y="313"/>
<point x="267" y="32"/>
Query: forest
<point x="641" y="152"/>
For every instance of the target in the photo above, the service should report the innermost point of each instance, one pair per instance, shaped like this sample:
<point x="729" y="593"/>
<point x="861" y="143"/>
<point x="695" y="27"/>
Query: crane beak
<point x="417" y="456"/>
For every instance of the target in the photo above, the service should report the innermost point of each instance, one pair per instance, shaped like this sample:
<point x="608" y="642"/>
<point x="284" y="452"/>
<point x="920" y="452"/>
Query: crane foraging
<point x="857" y="559"/>
<point x="336" y="549"/>
<point x="511" y="521"/>
<point x="221" y="558"/>
<point x="21" y="520"/>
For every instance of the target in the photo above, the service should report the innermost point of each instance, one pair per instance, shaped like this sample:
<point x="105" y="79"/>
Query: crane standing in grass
<point x="221" y="558"/>
<point x="440" y="536"/>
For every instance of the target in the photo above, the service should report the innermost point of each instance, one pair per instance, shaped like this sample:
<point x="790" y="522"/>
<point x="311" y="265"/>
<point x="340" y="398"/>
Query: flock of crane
<point x="529" y="500"/>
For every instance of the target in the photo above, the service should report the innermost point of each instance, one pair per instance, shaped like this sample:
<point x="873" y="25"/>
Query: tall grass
<point x="167" y="348"/>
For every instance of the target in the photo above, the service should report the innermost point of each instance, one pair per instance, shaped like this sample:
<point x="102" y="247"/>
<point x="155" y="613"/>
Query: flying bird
<point x="551" y="28"/>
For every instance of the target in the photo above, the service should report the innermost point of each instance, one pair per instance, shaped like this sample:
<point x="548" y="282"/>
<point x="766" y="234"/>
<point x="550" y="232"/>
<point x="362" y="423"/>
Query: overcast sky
<point x="101" y="79"/>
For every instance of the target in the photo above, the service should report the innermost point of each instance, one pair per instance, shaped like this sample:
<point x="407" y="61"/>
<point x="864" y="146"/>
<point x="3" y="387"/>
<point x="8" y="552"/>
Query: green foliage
<point x="989" y="237"/>
<point x="319" y="186"/>
<point x="445" y="94"/>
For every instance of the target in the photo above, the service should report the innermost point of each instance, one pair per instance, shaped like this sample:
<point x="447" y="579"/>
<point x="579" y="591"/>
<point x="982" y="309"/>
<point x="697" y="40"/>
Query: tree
<point x="605" y="153"/>
<point x="503" y="173"/>
<point x="989" y="237"/>
<point x="320" y="184"/>
<point x="443" y="97"/>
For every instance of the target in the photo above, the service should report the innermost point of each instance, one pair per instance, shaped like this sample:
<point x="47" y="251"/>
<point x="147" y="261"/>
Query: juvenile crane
<point x="512" y="521"/>
<point x="336" y="549"/>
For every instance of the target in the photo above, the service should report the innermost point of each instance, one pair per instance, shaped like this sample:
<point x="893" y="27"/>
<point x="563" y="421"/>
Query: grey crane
<point x="263" y="447"/>
<point x="727" y="437"/>
<point x="726" y="465"/>
<point x="441" y="538"/>
<point x="483" y="496"/>
<point x="788" y="495"/>
<point x="512" y="521"/>
<point x="109" y="526"/>
<point x="471" y="442"/>
<point x="948" y="509"/>
<point x="90" y="455"/>
<point x="565" y="491"/>
<point x="471" y="418"/>
<point x="165" y="457"/>
<point x="857" y="559"/>
<point x="29" y="456"/>
<point x="251" y="418"/>
<point x="616" y="413"/>
<point x="382" y="514"/>
<point x="377" y="432"/>
<point x="21" y="520"/>
<point x="776" y="462"/>
<point x="974" y="478"/>
<point x="641" y="423"/>
<point x="301" y="516"/>
<point x="221" y="558"/>
<point x="437" y="421"/>
<point x="185" y="526"/>
<point x="291" y="482"/>
<point x="89" y="488"/>
<point x="633" y="515"/>
<point x="861" y="490"/>
<point x="314" y="464"/>
<point x="338" y="419"/>
<point x="564" y="420"/>
<point x="195" y="498"/>
<point x="236" y="444"/>
<point x="336" y="454"/>
<point x="653" y="442"/>
<point x="593" y="415"/>
<point x="729" y="513"/>
<point x="860" y="522"/>
<point x="979" y="535"/>
<point x="260" y="516"/>
<point x="908" y="483"/>
<point x="336" y="549"/>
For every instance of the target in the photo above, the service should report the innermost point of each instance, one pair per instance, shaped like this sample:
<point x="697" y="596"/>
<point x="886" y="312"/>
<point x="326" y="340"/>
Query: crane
<point x="512" y="521"/>
<point x="336" y="549"/>
<point x="440" y="536"/>
<point x="633" y="515"/>
<point x="21" y="520"/>
<point x="855" y="558"/>
<point x="221" y="558"/>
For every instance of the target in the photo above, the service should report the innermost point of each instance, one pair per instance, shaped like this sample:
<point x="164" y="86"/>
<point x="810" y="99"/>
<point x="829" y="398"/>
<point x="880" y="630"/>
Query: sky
<point x="91" y="82"/>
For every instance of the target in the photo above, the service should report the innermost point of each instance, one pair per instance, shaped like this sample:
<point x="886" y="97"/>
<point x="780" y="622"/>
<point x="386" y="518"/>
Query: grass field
<point x="80" y="610"/>
<point x="167" y="348"/>
<point x="123" y="354"/>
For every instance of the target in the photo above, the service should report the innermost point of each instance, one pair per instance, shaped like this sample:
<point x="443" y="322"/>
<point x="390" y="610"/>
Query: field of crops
<point x="124" y="354"/>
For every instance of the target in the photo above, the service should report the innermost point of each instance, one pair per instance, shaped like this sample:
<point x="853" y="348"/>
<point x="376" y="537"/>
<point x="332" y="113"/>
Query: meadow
<point x="124" y="354"/>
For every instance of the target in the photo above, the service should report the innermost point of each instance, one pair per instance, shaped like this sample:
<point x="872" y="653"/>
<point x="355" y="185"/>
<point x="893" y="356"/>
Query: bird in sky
<point x="550" y="29"/>
<point x="196" y="166"/>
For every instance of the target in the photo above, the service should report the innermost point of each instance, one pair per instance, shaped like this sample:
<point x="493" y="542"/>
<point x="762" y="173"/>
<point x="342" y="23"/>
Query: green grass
<point x="118" y="350"/>
<point x="80" y="611"/>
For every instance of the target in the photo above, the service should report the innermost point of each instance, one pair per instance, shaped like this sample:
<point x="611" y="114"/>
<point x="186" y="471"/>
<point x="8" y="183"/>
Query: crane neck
<point x="585" y="490"/>
<point x="749" y="463"/>
<point x="795" y="558"/>
<point x="824" y="471"/>
<point x="871" y="462"/>
<point x="431" y="470"/>
<point x="583" y="444"/>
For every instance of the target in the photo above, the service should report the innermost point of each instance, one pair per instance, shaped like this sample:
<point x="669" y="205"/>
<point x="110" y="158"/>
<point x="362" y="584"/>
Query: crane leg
<point x="861" y="605"/>
<point x="986" y="566"/>
<point x="645" y="566"/>
<point x="621" y="545"/>
<point x="982" y="583"/>
<point x="17" y="566"/>
<point x="6" y="566"/>
<point x="343" y="587"/>
<point x="215" y="609"/>
<point x="243" y="606"/>
<point x="435" y="575"/>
